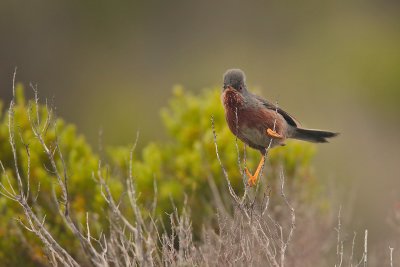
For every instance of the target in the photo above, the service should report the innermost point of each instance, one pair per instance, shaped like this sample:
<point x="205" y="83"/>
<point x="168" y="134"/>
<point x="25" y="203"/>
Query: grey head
<point x="236" y="79"/>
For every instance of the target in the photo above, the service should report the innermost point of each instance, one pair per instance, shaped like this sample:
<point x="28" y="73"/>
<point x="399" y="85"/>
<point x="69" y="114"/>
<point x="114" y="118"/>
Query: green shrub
<point x="184" y="163"/>
<point x="84" y="194"/>
<point x="180" y="166"/>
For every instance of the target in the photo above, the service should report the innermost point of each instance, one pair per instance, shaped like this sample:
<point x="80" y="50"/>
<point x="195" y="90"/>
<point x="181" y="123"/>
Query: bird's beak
<point x="227" y="86"/>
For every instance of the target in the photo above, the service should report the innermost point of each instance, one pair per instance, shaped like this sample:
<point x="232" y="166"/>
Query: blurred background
<point x="335" y="65"/>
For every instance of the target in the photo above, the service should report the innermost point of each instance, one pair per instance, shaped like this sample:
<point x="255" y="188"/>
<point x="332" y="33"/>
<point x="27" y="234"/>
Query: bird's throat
<point x="232" y="100"/>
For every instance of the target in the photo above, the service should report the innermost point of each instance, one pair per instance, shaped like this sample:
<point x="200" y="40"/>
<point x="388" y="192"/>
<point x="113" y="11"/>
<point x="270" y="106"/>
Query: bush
<point x="185" y="165"/>
<point x="81" y="162"/>
<point x="186" y="162"/>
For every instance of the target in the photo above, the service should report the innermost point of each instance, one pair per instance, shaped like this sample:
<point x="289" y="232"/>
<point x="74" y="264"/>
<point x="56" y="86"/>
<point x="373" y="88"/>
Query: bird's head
<point x="235" y="79"/>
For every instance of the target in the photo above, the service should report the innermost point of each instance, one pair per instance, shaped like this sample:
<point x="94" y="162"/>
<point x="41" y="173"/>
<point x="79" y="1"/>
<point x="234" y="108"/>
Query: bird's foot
<point x="273" y="134"/>
<point x="253" y="178"/>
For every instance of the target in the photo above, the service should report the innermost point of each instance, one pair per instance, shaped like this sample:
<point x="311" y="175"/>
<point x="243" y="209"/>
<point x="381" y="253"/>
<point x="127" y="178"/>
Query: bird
<point x="258" y="123"/>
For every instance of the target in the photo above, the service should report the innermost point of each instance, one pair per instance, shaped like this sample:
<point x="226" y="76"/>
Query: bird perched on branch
<point x="258" y="123"/>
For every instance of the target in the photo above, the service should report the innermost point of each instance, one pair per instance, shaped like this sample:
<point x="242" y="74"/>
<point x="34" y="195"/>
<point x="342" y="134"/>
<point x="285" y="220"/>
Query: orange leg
<point x="253" y="178"/>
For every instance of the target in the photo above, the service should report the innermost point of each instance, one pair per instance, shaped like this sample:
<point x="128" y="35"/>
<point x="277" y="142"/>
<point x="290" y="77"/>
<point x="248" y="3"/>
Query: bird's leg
<point x="273" y="134"/>
<point x="253" y="178"/>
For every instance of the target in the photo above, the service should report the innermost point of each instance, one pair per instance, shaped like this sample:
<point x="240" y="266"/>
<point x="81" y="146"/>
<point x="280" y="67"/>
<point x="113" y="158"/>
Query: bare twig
<point x="35" y="225"/>
<point x="230" y="188"/>
<point x="339" y="243"/>
<point x="13" y="82"/>
<point x="365" y="256"/>
<point x="293" y="221"/>
<point x="352" y="250"/>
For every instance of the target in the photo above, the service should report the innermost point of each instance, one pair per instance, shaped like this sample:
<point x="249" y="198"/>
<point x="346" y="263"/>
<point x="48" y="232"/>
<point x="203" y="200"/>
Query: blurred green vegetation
<point x="181" y="166"/>
<point x="85" y="196"/>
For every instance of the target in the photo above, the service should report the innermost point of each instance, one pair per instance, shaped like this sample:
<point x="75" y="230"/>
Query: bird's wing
<point x="289" y="118"/>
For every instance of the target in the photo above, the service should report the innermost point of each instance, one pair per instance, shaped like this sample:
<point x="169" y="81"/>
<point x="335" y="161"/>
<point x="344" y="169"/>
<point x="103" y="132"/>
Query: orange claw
<point x="273" y="134"/>
<point x="253" y="178"/>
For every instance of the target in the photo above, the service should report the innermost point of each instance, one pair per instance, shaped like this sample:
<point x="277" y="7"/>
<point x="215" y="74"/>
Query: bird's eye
<point x="240" y="88"/>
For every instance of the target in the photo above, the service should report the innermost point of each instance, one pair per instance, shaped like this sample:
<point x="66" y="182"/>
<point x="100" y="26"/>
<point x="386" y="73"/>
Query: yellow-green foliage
<point x="181" y="166"/>
<point x="84" y="193"/>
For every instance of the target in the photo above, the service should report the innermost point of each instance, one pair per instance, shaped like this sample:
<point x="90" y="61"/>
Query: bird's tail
<point x="315" y="136"/>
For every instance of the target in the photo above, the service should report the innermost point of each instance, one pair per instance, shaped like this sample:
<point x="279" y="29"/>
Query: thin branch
<point x="391" y="255"/>
<point x="293" y="220"/>
<point x="352" y="249"/>
<point x="231" y="190"/>
<point x="365" y="248"/>
<point x="7" y="193"/>
<point x="339" y="244"/>
<point x="13" y="82"/>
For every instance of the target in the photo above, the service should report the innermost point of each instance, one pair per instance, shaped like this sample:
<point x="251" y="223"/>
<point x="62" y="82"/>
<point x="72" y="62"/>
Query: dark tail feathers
<point x="315" y="136"/>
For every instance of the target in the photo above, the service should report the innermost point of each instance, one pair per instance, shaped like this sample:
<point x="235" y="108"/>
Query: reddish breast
<point x="233" y="104"/>
<point x="232" y="99"/>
